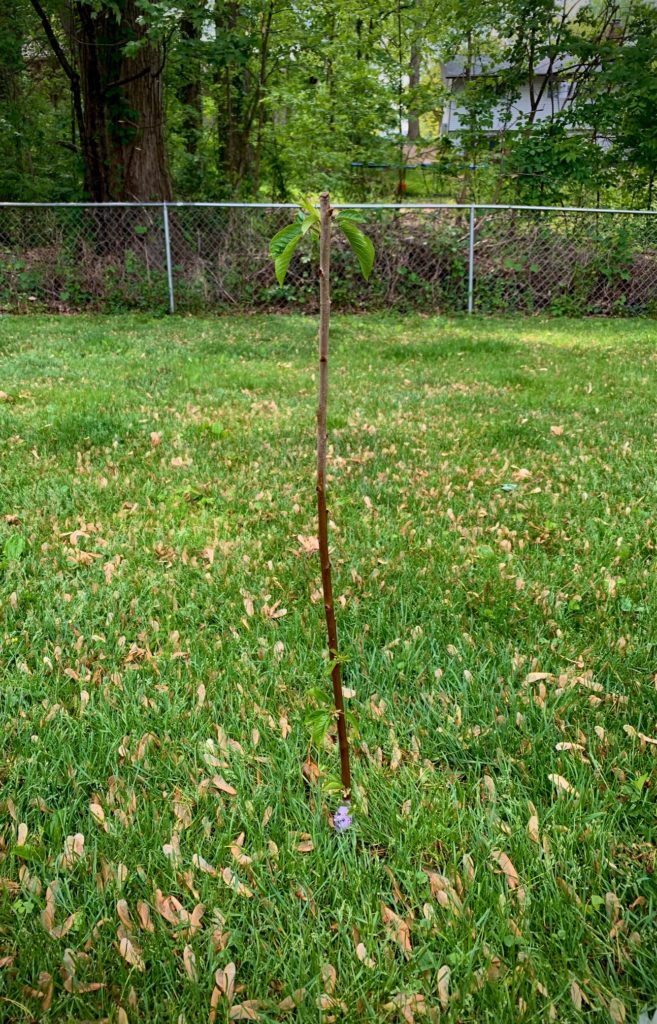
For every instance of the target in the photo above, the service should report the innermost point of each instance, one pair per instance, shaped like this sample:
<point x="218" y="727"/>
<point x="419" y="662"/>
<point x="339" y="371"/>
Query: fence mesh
<point x="72" y="258"/>
<point x="565" y="262"/>
<point x="69" y="258"/>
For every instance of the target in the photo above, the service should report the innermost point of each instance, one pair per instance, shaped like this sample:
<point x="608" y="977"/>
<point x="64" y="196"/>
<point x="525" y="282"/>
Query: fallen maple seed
<point x="444" y="975"/>
<point x="563" y="784"/>
<point x="617" y="1010"/>
<point x="512" y="877"/>
<point x="309" y="544"/>
<point x="361" y="953"/>
<point x="203" y="865"/>
<point x="245" y="1011"/>
<point x="124" y="915"/>
<point x="225" y="981"/>
<point x="131" y="953"/>
<point x="397" y="929"/>
<point x="189" y="961"/>
<point x="98" y="814"/>
<point x="233" y="882"/>
<point x="144" y="915"/>
<point x="73" y="850"/>
<point x="48" y="914"/>
<point x="291" y="1002"/>
<point x="223" y="786"/>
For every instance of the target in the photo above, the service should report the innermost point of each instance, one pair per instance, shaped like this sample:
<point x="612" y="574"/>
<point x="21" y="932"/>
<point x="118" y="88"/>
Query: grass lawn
<point x="164" y="813"/>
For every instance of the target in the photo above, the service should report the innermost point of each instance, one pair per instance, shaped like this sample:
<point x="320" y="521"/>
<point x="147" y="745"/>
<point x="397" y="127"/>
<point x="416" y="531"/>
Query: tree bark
<point x="322" y="511"/>
<point x="413" y="133"/>
<point x="118" y="100"/>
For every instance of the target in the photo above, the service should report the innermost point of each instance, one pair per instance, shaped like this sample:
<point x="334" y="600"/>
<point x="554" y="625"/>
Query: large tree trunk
<point x="123" y="104"/>
<point x="143" y="151"/>
<point x="118" y="99"/>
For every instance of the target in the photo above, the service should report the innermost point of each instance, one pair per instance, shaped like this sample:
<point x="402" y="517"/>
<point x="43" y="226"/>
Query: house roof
<point x="486" y="66"/>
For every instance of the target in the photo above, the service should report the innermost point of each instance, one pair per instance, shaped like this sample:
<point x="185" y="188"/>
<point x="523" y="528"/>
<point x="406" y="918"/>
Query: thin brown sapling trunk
<point x="322" y="511"/>
<point x="281" y="249"/>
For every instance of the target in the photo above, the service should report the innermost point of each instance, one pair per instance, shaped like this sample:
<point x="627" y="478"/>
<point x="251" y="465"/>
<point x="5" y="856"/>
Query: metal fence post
<point x="167" y="246"/>
<point x="471" y="257"/>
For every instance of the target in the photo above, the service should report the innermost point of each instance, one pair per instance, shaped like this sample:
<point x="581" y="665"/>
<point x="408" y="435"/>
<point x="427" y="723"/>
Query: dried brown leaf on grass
<point x="248" y="1010"/>
<point x="408" y="1004"/>
<point x="397" y="929"/>
<point x="124" y="915"/>
<point x="512" y="877"/>
<point x="238" y="853"/>
<point x="563" y="784"/>
<point x="144" y="915"/>
<point x="98" y="814"/>
<point x="131" y="953"/>
<point x="362" y="954"/>
<point x="189" y="962"/>
<point x="443" y="980"/>
<point x="233" y="882"/>
<point x="291" y="1003"/>
<point x="73" y="851"/>
<point x="204" y="865"/>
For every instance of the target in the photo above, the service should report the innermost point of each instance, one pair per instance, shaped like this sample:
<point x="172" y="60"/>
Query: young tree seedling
<point x="282" y="247"/>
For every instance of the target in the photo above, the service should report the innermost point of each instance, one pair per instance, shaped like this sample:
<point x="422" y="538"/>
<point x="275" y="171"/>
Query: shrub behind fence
<point x="205" y="258"/>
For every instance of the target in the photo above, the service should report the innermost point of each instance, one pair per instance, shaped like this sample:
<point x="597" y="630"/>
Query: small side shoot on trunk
<point x="281" y="249"/>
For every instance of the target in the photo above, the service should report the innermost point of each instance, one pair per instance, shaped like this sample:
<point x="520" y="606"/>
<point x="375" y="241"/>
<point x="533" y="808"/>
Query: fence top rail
<point x="149" y="203"/>
<point x="565" y="209"/>
<point x="336" y="206"/>
<point x="488" y="206"/>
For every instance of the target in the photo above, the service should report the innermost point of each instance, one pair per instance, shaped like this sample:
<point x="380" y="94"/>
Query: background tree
<point x="211" y="99"/>
<point x="114" y="69"/>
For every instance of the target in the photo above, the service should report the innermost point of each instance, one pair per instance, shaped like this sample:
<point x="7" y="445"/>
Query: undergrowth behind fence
<point x="526" y="260"/>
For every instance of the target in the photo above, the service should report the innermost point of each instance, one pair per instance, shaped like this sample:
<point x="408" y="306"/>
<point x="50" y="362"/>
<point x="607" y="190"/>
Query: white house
<point x="550" y="82"/>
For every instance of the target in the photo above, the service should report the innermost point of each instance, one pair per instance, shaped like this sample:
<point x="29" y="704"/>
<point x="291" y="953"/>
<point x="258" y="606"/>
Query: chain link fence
<point x="205" y="258"/>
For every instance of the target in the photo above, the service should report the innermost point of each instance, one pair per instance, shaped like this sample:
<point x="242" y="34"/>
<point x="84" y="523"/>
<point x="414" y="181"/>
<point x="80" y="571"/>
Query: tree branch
<point x="69" y="70"/>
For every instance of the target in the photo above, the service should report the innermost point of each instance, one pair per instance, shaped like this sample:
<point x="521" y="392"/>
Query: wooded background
<point x="263" y="99"/>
